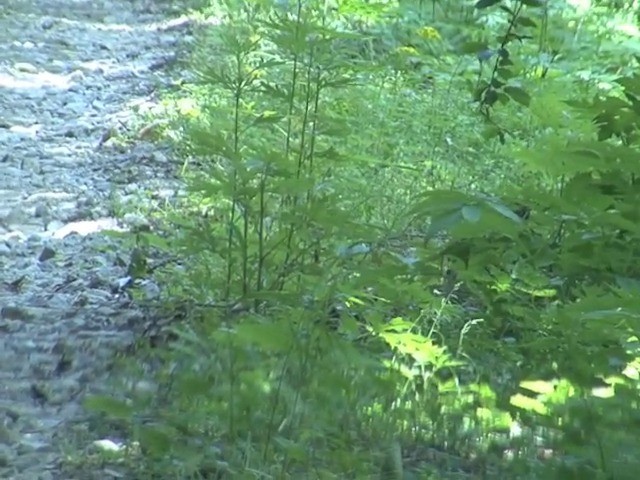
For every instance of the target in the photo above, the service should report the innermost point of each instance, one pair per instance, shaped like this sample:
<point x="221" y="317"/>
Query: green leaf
<point x="617" y="313"/>
<point x="538" y="386"/>
<point x="505" y="8"/>
<point x="529" y="404"/>
<point x="191" y="385"/>
<point x="506" y="73"/>
<point x="472" y="48"/>
<point x="489" y="97"/>
<point x="518" y="95"/>
<point x="156" y="440"/>
<point x="444" y="223"/>
<point x="486" y="3"/>
<point x="628" y="285"/>
<point x="526" y="22"/>
<point x="267" y="117"/>
<point x="460" y="250"/>
<point x="273" y="337"/>
<point x="438" y="203"/>
<point x="471" y="213"/>
<point x="420" y="348"/>
<point x="155" y="240"/>
<point x="490" y="132"/>
<point x="503" y="210"/>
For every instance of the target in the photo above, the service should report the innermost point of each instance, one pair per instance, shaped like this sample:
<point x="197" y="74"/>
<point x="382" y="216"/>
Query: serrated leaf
<point x="518" y="95"/>
<point x="486" y="3"/>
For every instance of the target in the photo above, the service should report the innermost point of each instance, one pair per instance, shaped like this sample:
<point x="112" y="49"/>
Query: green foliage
<point x="405" y="253"/>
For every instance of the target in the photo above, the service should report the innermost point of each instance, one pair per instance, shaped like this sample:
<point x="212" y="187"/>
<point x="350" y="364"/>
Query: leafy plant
<point x="371" y="284"/>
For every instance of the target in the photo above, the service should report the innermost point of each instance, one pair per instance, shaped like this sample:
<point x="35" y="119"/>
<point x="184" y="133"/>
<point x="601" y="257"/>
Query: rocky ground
<point x="72" y="73"/>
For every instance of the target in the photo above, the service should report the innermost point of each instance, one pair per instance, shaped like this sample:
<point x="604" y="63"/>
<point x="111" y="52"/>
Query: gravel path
<point x="71" y="73"/>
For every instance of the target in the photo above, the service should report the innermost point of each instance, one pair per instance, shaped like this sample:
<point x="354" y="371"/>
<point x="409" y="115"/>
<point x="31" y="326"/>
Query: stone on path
<point x="68" y="72"/>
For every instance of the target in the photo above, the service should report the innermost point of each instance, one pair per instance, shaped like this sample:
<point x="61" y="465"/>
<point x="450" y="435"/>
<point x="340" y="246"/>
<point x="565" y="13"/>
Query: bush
<point x="383" y="278"/>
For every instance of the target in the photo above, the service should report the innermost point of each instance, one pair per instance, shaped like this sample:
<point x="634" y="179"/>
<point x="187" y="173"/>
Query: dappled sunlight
<point x="629" y="29"/>
<point x="133" y="26"/>
<point x="35" y="80"/>
<point x="581" y="6"/>
<point x="87" y="227"/>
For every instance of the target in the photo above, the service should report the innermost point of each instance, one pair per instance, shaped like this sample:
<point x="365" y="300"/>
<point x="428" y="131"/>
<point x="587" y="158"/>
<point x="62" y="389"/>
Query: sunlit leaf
<point x="631" y="372"/>
<point x="398" y="324"/>
<point x="538" y="386"/>
<point x="421" y="349"/>
<point x="529" y="404"/>
<point x="603" y="392"/>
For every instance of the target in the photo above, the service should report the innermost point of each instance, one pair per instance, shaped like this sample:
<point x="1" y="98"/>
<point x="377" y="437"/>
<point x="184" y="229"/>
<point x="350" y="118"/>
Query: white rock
<point x="25" y="67"/>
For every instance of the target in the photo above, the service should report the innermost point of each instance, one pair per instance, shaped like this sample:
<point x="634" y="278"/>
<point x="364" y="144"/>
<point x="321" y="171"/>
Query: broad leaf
<point x="486" y="3"/>
<point x="471" y="213"/>
<point x="445" y="223"/>
<point x="518" y="95"/>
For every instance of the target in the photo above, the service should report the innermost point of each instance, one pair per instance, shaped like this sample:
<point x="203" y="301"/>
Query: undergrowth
<point x="407" y="249"/>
